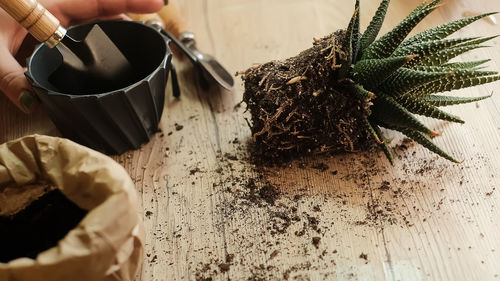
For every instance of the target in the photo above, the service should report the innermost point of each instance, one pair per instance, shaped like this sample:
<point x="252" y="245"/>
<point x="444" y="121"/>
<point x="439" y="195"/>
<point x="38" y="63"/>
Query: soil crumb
<point x="316" y="241"/>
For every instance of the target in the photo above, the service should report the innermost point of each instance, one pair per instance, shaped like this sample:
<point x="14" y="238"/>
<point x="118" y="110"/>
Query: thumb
<point x="13" y="83"/>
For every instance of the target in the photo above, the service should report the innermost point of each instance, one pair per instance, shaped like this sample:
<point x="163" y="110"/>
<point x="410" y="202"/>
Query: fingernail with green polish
<point x="26" y="100"/>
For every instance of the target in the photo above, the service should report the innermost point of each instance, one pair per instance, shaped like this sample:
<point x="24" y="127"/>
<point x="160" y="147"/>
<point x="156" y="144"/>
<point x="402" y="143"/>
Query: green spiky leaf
<point x="373" y="28"/>
<point x="383" y="144"/>
<point x="347" y="62"/>
<point x="427" y="48"/>
<point x="450" y="100"/>
<point x="466" y="65"/>
<point x="420" y="107"/>
<point x="386" y="110"/>
<point x="385" y="45"/>
<point x="371" y="130"/>
<point x="423" y="5"/>
<point x="363" y="93"/>
<point x="358" y="91"/>
<point x="459" y="80"/>
<point x="371" y="73"/>
<point x="356" y="36"/>
<point x="405" y="79"/>
<point x="443" y="31"/>
<point x="427" y="143"/>
<point x="433" y="4"/>
<point x="444" y="56"/>
<point x="459" y="72"/>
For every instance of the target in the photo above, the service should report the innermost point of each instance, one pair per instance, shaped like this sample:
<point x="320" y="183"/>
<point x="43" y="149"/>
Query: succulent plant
<point x="337" y="95"/>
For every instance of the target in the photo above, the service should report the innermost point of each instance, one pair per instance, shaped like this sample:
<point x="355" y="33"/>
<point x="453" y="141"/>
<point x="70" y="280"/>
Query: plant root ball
<point x="298" y="107"/>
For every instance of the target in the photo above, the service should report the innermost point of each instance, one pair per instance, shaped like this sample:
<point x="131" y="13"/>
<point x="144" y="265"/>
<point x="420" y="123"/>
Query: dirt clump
<point x="299" y="107"/>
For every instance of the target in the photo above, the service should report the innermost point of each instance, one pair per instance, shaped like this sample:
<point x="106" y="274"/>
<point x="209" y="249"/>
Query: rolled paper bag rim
<point x="108" y="244"/>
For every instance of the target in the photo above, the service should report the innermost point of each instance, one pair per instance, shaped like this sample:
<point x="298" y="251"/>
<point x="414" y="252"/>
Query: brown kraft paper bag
<point x="108" y="244"/>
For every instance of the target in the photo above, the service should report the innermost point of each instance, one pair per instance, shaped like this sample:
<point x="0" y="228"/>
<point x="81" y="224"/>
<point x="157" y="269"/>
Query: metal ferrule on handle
<point x="56" y="37"/>
<point x="36" y="19"/>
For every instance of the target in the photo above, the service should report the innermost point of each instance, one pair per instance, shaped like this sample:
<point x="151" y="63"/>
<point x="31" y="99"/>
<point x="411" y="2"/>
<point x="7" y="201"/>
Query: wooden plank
<point x="430" y="212"/>
<point x="211" y="213"/>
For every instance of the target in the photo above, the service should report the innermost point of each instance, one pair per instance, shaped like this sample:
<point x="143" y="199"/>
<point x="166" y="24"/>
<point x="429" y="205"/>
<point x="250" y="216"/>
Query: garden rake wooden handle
<point x="174" y="22"/>
<point x="169" y="17"/>
<point x="36" y="19"/>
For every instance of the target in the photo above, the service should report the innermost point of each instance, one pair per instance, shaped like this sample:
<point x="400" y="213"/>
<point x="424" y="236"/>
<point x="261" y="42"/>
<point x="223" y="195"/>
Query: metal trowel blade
<point x="96" y="54"/>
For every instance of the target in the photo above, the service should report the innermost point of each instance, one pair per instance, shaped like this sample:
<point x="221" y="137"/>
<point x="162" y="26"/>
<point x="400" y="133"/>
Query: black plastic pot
<point x="111" y="117"/>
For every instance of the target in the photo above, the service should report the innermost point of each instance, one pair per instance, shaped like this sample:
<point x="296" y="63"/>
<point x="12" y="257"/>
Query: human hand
<point x="13" y="83"/>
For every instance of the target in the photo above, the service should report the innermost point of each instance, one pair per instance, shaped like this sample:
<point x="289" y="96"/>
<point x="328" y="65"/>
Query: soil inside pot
<point x="38" y="227"/>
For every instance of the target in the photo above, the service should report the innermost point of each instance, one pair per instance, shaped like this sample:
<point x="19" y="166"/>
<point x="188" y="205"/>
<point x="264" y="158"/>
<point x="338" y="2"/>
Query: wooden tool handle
<point x="174" y="22"/>
<point x="169" y="16"/>
<point x="35" y="18"/>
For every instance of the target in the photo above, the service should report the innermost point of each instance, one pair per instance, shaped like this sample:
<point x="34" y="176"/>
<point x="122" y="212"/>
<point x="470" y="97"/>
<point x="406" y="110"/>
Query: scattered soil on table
<point x="38" y="227"/>
<point x="250" y="191"/>
<point x="178" y="127"/>
<point x="268" y="221"/>
<point x="224" y="267"/>
<point x="315" y="241"/>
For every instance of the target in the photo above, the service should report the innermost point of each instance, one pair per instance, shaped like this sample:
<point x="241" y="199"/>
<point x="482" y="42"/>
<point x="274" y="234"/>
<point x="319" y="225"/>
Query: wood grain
<point x="33" y="16"/>
<point x="348" y="217"/>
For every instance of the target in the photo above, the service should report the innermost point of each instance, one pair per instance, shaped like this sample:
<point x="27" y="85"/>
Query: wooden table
<point x="209" y="213"/>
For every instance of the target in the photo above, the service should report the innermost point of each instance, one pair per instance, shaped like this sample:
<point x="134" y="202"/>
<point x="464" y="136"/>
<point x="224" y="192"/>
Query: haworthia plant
<point x="402" y="77"/>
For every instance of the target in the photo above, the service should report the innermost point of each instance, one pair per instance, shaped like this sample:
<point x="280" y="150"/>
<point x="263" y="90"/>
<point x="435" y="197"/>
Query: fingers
<point x="13" y="83"/>
<point x="113" y="17"/>
<point x="89" y="9"/>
